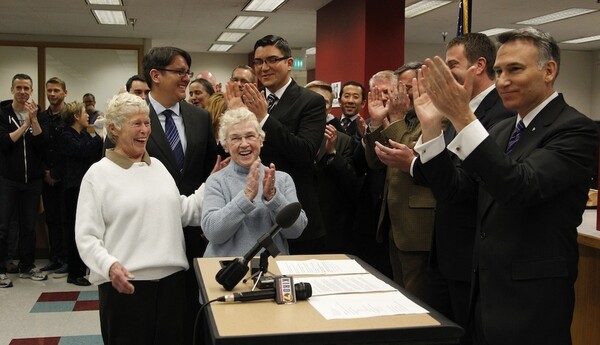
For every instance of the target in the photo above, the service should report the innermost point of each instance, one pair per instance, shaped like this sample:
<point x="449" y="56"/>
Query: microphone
<point x="234" y="272"/>
<point x="303" y="292"/>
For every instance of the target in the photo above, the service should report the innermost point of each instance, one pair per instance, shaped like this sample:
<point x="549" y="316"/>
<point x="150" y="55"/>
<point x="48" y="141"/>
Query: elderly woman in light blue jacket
<point x="242" y="200"/>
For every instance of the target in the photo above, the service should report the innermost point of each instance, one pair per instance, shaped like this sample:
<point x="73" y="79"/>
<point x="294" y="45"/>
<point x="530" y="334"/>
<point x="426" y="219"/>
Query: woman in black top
<point x="80" y="150"/>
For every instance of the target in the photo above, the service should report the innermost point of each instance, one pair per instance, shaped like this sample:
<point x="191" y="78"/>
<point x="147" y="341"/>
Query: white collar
<point x="159" y="108"/>
<point x="535" y="111"/>
<point x="476" y="101"/>
<point x="279" y="92"/>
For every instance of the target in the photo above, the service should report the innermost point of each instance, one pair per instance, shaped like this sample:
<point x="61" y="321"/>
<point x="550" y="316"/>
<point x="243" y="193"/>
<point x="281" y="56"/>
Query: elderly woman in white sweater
<point x="129" y="232"/>
<point x="242" y="200"/>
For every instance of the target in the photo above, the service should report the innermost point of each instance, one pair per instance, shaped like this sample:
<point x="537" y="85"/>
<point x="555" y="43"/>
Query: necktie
<point x="173" y="138"/>
<point x="271" y="100"/>
<point x="514" y="138"/>
<point x="345" y="123"/>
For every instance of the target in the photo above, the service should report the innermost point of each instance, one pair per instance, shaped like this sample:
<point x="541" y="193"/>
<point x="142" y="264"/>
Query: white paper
<point x="319" y="267"/>
<point x="354" y="283"/>
<point x="354" y="306"/>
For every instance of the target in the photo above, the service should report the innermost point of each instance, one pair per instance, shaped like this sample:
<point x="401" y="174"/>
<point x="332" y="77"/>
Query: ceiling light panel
<point x="552" y="17"/>
<point x="110" y="17"/>
<point x="231" y="36"/>
<point x="583" y="39"/>
<point x="423" y="7"/>
<point x="220" y="47"/>
<point x="105" y="2"/>
<point x="245" y="22"/>
<point x="495" y="31"/>
<point x="263" y="5"/>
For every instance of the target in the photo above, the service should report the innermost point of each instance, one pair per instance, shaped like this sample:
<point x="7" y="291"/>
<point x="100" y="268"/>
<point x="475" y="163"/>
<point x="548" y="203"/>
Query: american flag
<point x="464" y="17"/>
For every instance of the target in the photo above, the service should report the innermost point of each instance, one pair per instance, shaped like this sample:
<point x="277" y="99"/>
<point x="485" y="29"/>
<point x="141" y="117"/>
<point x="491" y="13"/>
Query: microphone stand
<point x="235" y="271"/>
<point x="263" y="268"/>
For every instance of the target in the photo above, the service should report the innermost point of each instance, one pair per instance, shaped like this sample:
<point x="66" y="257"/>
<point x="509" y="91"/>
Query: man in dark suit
<point x="292" y="118"/>
<point x="455" y="217"/>
<point x="532" y="173"/>
<point x="353" y="98"/>
<point x="167" y="72"/>
<point x="337" y="183"/>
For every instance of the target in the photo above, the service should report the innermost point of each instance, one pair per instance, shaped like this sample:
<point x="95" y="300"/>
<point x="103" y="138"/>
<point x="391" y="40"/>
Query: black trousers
<point x="53" y="199"/>
<point x="152" y="315"/>
<point x="23" y="198"/>
<point x="76" y="266"/>
<point x="451" y="298"/>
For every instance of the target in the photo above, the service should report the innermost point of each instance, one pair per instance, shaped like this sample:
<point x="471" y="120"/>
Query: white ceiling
<point x="195" y="24"/>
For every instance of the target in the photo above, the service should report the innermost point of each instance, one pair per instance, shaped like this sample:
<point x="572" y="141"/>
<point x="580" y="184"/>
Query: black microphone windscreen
<point x="288" y="215"/>
<point x="303" y="291"/>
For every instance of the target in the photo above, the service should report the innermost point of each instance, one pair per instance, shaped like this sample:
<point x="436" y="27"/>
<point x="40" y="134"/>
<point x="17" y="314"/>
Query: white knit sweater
<point x="135" y="216"/>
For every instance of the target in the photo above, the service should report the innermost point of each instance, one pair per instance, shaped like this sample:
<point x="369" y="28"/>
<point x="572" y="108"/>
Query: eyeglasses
<point x="250" y="138"/>
<point x="271" y="60"/>
<point x="179" y="73"/>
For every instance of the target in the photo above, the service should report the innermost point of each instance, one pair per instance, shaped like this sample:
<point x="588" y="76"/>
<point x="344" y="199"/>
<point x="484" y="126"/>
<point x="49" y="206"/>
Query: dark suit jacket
<point x="455" y="217"/>
<point x="200" y="153"/>
<point x="294" y="131"/>
<point x="337" y="185"/>
<point x="352" y="131"/>
<point x="335" y="122"/>
<point x="530" y="204"/>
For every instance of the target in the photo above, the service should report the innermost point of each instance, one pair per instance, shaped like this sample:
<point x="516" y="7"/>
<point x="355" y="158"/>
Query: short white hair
<point x="234" y="116"/>
<point x="120" y="108"/>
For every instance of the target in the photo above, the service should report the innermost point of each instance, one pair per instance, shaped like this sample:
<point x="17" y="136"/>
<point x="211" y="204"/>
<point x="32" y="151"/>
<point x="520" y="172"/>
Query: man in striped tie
<point x="183" y="139"/>
<point x="294" y="125"/>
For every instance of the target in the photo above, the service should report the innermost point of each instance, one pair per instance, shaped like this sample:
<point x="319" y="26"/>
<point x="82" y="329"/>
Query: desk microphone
<point x="303" y="292"/>
<point x="235" y="271"/>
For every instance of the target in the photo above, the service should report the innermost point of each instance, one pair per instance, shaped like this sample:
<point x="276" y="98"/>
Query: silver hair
<point x="120" y="108"/>
<point x="547" y="47"/>
<point x="383" y="75"/>
<point x="233" y="117"/>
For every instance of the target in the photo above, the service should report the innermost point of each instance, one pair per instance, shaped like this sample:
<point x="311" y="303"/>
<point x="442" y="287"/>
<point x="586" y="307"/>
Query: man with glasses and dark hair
<point x="242" y="74"/>
<point x="138" y="86"/>
<point x="293" y="120"/>
<point x="183" y="140"/>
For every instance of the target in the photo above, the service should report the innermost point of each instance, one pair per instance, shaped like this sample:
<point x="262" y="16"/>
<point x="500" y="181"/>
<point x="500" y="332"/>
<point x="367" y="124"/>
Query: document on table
<point x="319" y="267"/>
<point x="354" y="306"/>
<point x="354" y="283"/>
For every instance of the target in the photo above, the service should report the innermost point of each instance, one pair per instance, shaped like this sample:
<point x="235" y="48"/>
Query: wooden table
<point x="265" y="322"/>
<point x="586" y="316"/>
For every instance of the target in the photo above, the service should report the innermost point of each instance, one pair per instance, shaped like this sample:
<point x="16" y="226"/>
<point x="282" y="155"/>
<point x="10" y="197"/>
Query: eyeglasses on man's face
<point x="271" y="60"/>
<point x="180" y="73"/>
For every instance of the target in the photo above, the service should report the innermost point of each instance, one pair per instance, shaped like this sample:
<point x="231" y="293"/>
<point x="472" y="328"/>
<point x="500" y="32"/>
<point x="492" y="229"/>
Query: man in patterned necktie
<point x="294" y="128"/>
<point x="167" y="72"/>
